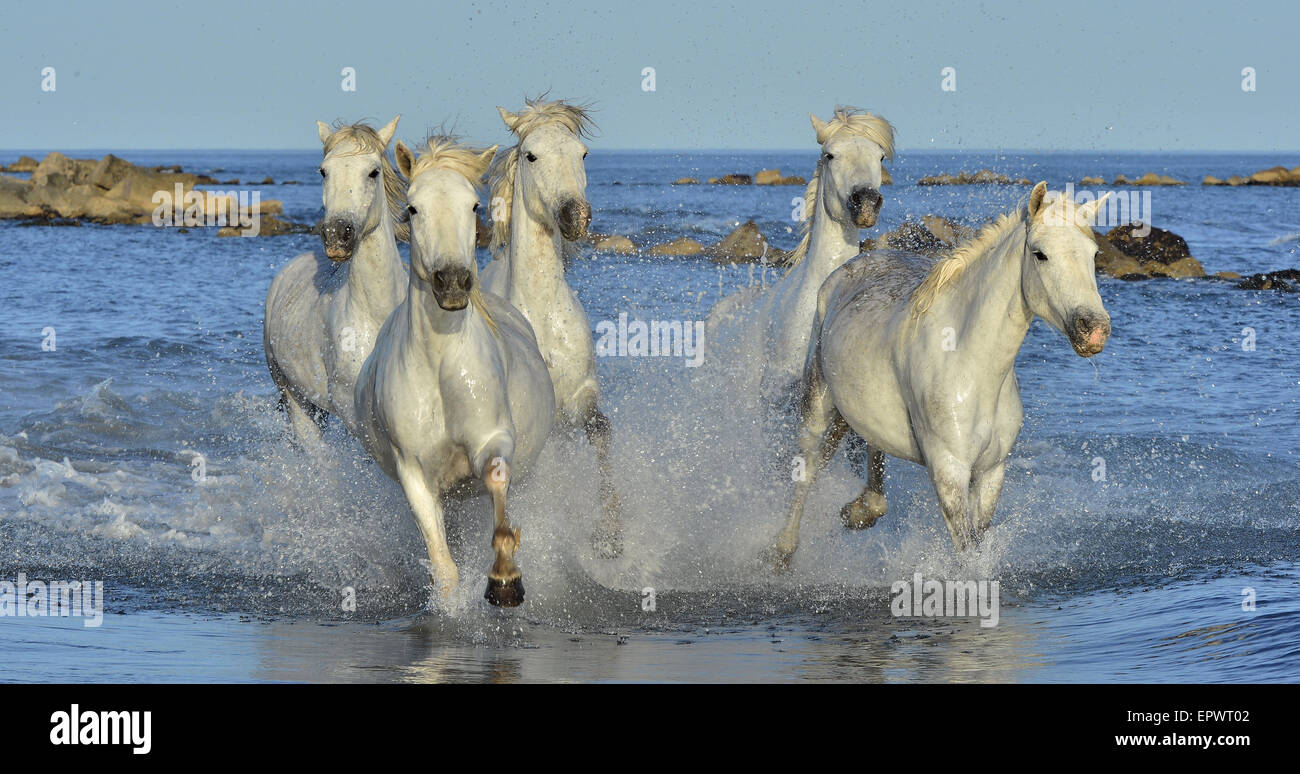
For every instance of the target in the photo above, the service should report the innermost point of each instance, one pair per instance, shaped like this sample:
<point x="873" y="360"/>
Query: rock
<point x="110" y="171"/>
<point x="947" y="231"/>
<point x="482" y="234"/>
<point x="268" y="225"/>
<point x="1278" y="176"/>
<point x="1092" y="180"/>
<point x="73" y="171"/>
<point x="1160" y="252"/>
<point x="13" y="198"/>
<point x="1227" y="275"/>
<point x="686" y="181"/>
<point x="733" y="179"/>
<point x="679" y="246"/>
<point x="267" y="181"/>
<point x="23" y="164"/>
<point x="982" y="177"/>
<point x="746" y="243"/>
<point x="1287" y="281"/>
<point x="767" y="176"/>
<point x="911" y="236"/>
<point x="613" y="243"/>
<point x="1152" y="179"/>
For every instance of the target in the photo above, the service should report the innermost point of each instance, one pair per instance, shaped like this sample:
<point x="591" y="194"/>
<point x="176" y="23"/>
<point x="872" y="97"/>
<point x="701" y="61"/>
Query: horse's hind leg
<point x="505" y="586"/>
<point x="820" y="432"/>
<point x="607" y="538"/>
<point x="869" y="506"/>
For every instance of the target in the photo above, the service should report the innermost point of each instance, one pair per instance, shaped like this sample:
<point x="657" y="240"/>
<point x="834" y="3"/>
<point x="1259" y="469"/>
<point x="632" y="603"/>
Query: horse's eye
<point x="830" y="156"/>
<point x="1039" y="255"/>
<point x="531" y="156"/>
<point x="584" y="154"/>
<point x="475" y="207"/>
<point x="374" y="173"/>
<point x="321" y="170"/>
<point x="411" y="209"/>
<point x="882" y="159"/>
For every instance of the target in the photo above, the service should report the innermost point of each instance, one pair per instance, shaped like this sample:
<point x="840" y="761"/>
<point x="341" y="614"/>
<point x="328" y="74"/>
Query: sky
<point x="1064" y="75"/>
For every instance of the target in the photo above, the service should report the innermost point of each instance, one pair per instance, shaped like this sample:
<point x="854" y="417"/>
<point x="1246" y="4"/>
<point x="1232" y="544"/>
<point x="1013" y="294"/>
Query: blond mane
<point x="368" y="140"/>
<point x="848" y="120"/>
<point x="537" y="112"/>
<point x="946" y="271"/>
<point x="447" y="152"/>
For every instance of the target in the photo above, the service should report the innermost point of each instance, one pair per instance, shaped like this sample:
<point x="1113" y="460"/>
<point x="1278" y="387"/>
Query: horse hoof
<point x="860" y="515"/>
<point x="505" y="593"/>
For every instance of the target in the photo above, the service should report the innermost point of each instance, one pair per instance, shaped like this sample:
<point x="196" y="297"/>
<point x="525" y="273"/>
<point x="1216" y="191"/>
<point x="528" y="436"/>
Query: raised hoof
<point x="860" y="515"/>
<point x="777" y="559"/>
<point x="505" y="593"/>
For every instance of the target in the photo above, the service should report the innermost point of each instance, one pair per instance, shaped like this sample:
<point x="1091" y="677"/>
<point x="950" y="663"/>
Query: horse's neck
<point x="430" y="328"/>
<point x="986" y="307"/>
<point x="535" y="255"/>
<point x="830" y="243"/>
<point x="375" y="269"/>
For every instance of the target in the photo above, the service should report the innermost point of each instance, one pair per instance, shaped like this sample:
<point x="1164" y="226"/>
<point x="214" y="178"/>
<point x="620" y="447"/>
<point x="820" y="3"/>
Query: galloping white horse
<point x="843" y="197"/>
<point x="324" y="311"/>
<point x="539" y="206"/>
<point x="455" y="390"/>
<point x="919" y="357"/>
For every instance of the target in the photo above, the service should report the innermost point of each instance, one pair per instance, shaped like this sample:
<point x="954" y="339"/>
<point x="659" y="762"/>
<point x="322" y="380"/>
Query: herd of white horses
<point x="453" y="380"/>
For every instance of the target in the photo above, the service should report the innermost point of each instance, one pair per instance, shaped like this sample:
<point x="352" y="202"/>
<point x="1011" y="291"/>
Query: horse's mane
<point x="446" y="151"/>
<point x="537" y="112"/>
<point x="946" y="272"/>
<point x="853" y="121"/>
<point x="368" y="140"/>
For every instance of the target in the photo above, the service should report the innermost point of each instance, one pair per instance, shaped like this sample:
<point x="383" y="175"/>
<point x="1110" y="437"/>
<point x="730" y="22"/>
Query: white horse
<point x="323" y="311"/>
<point x="843" y="197"/>
<point x="919" y="357"/>
<point x="539" y="207"/>
<point x="455" y="391"/>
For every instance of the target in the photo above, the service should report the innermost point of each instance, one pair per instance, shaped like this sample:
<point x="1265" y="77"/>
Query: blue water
<point x="238" y="576"/>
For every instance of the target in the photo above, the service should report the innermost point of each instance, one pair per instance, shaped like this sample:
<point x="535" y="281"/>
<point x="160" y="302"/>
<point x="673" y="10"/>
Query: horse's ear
<point x="405" y="159"/>
<point x="818" y="125"/>
<point x="1036" y="198"/>
<point x="389" y="129"/>
<point x="1088" y="212"/>
<point x="485" y="158"/>
<point x="323" y="129"/>
<point x="511" y="120"/>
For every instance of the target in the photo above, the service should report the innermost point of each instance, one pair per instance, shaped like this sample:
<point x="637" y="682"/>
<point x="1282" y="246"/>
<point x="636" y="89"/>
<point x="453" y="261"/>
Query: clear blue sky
<point x="1089" y="75"/>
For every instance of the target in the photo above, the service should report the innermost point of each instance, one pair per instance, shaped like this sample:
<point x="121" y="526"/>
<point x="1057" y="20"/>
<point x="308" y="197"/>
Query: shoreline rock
<point x="982" y="177"/>
<point x="1274" y="176"/>
<point x="113" y="191"/>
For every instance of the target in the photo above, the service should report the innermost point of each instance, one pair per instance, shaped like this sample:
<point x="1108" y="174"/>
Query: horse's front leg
<point x="951" y="478"/>
<point x="427" y="507"/>
<point x="607" y="538"/>
<point x="986" y="488"/>
<point x="505" y="586"/>
<point x="869" y="506"/>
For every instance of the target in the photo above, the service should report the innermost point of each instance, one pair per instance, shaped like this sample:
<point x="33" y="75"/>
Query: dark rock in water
<point x="1160" y="252"/>
<point x="733" y="179"/>
<point x="745" y="244"/>
<point x="1286" y="280"/>
<point x="267" y="181"/>
<point x="982" y="177"/>
<point x="482" y="234"/>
